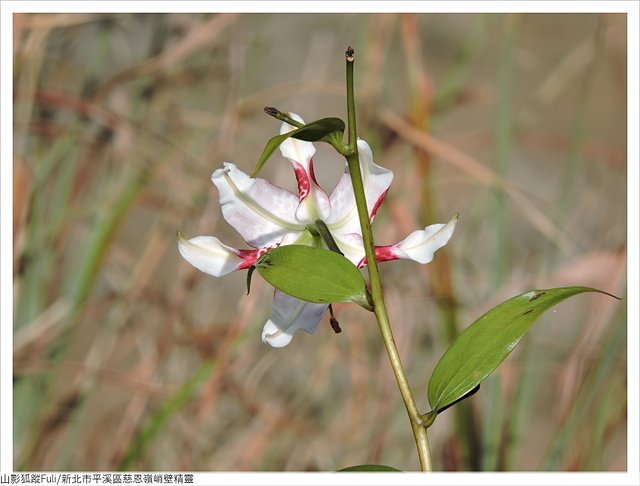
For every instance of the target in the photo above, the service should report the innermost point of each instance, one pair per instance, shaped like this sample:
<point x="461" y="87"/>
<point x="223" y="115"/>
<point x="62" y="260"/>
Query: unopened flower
<point x="267" y="216"/>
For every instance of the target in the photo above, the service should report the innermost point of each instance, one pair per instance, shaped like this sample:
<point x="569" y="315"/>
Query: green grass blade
<point x="165" y="412"/>
<point x="96" y="247"/>
<point x="605" y="363"/>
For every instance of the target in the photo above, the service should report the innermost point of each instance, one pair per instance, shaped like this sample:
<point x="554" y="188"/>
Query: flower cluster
<point x="267" y="216"/>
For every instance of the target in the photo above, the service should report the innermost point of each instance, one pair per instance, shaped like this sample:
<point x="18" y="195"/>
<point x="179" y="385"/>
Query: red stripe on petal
<point x="312" y="172"/>
<point x="304" y="184"/>
<point x="383" y="254"/>
<point x="249" y="257"/>
<point x="386" y="253"/>
<point x="376" y="206"/>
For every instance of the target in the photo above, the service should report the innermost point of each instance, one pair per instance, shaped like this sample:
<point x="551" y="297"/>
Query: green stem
<point x="319" y="229"/>
<point x="418" y="426"/>
<point x="277" y="114"/>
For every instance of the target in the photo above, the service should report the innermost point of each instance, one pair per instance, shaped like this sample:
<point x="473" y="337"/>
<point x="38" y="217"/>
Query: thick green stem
<point x="417" y="424"/>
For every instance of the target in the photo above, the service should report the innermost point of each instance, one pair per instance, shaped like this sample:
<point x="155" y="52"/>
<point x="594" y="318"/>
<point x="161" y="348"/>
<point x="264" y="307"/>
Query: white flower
<point x="267" y="216"/>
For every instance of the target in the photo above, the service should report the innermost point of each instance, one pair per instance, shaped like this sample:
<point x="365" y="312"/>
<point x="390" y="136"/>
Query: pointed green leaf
<point x="272" y="144"/>
<point x="317" y="130"/>
<point x="311" y="132"/>
<point x="313" y="274"/>
<point x="480" y="348"/>
<point x="370" y="468"/>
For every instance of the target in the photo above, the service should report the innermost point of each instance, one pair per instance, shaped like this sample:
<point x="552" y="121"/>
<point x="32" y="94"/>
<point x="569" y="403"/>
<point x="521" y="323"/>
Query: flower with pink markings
<point x="267" y="216"/>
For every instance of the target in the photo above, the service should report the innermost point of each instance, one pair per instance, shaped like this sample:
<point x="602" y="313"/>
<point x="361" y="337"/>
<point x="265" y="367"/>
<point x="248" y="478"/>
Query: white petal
<point x="208" y="255"/>
<point x="296" y="150"/>
<point x="376" y="181"/>
<point x="352" y="247"/>
<point x="299" y="154"/>
<point x="314" y="206"/>
<point x="289" y="315"/>
<point x="422" y="244"/>
<point x="261" y="212"/>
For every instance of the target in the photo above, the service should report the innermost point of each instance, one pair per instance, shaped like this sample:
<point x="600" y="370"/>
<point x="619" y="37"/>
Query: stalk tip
<point x="349" y="54"/>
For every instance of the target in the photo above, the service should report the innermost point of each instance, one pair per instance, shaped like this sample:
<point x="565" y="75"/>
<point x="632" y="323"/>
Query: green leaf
<point x="370" y="468"/>
<point x="311" y="132"/>
<point x="314" y="274"/>
<point x="480" y="348"/>
<point x="272" y="144"/>
<point x="317" y="130"/>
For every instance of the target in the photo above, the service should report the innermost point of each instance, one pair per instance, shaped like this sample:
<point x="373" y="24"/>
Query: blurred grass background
<point x="125" y="357"/>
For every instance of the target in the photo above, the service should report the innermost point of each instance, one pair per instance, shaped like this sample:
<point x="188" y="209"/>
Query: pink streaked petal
<point x="209" y="255"/>
<point x="376" y="181"/>
<point x="261" y="212"/>
<point x="386" y="253"/>
<point x="355" y="251"/>
<point x="422" y="244"/>
<point x="314" y="202"/>
<point x="383" y="254"/>
<point x="312" y="172"/>
<point x="303" y="179"/>
<point x="376" y="205"/>
<point x="297" y="150"/>
<point x="418" y="246"/>
<point x="289" y="315"/>
<point x="250" y="257"/>
<point x="314" y="206"/>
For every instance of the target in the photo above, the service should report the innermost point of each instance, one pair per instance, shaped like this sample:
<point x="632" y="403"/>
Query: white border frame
<point x="631" y="8"/>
